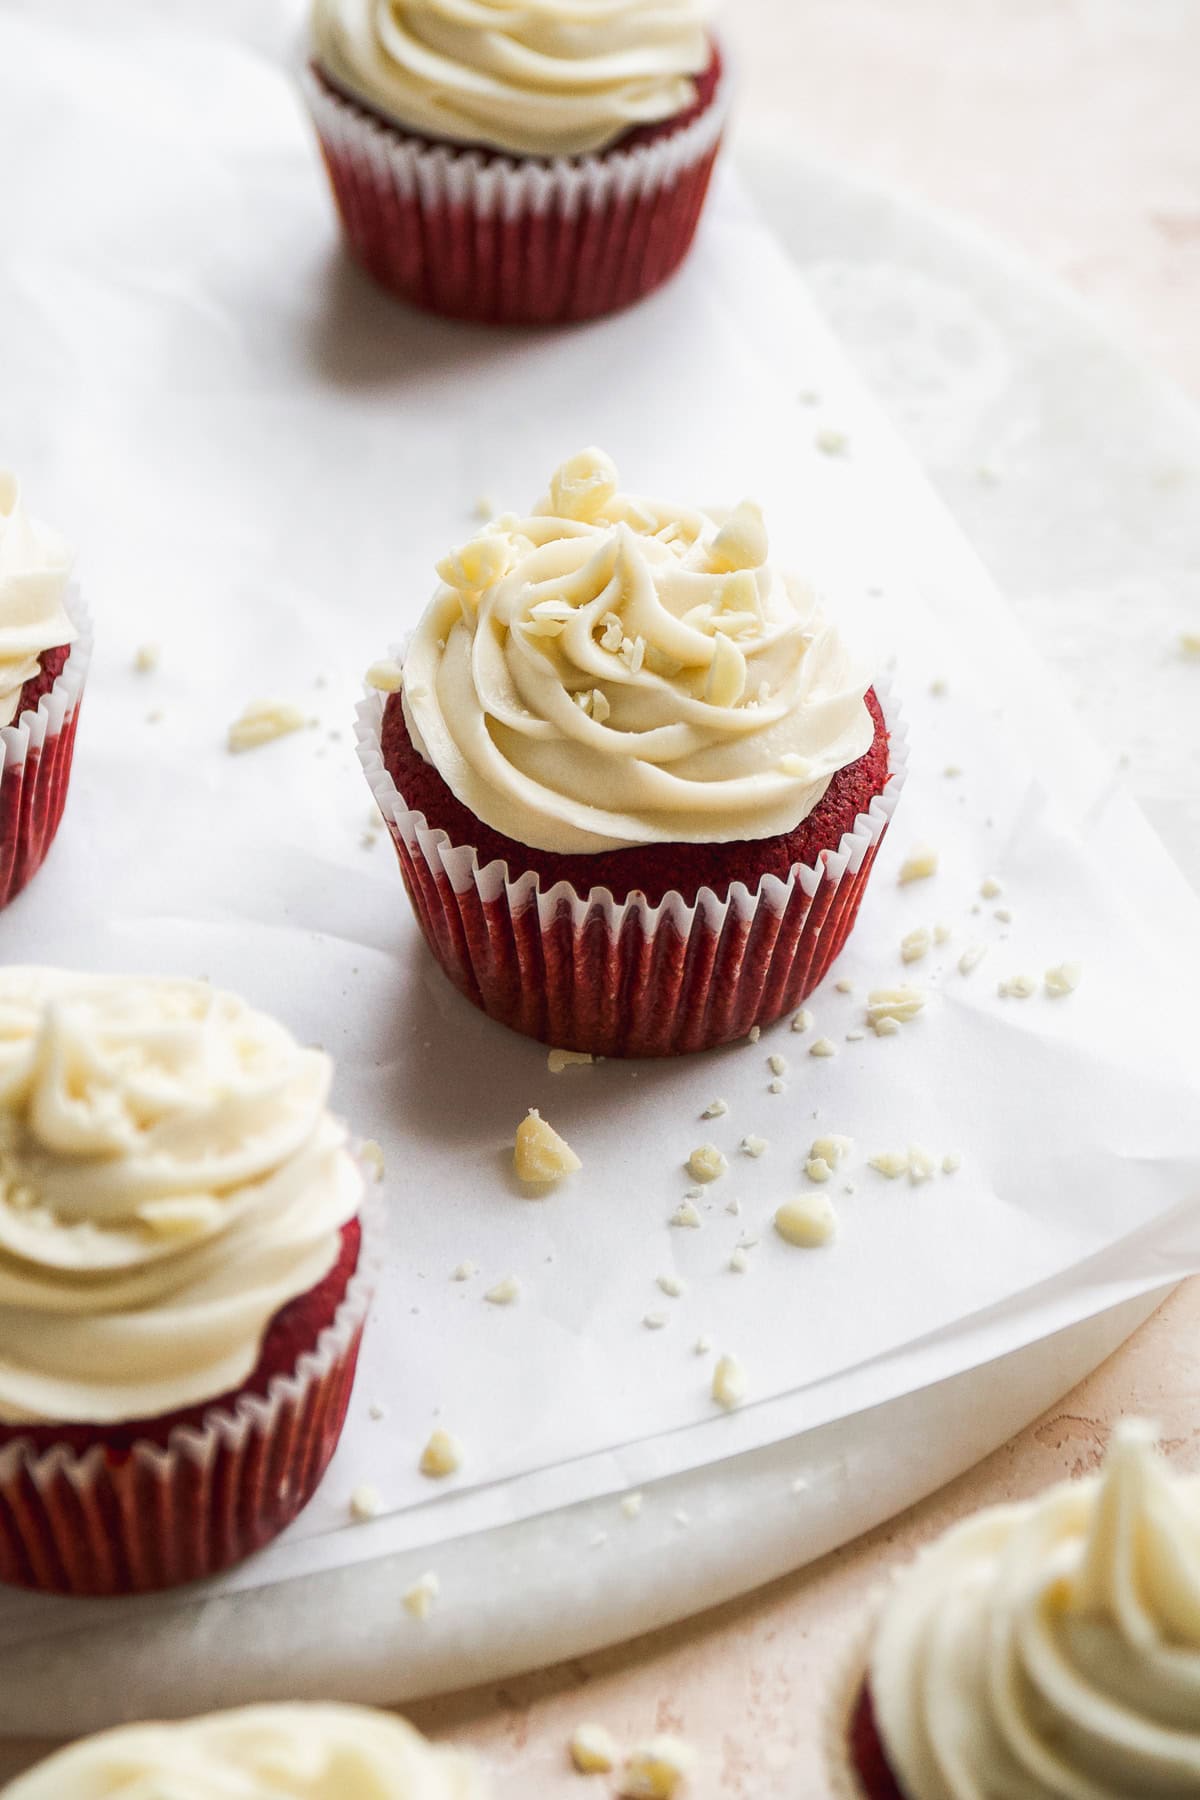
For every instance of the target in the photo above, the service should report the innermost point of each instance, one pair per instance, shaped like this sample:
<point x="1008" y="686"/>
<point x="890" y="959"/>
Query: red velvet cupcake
<point x="525" y="166"/>
<point x="45" y="649"/>
<point x="182" y="1298"/>
<point x="635" y="784"/>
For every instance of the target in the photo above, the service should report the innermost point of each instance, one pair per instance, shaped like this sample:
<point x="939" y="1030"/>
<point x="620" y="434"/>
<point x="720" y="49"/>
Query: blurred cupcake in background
<point x="635" y="780"/>
<point x="518" y="164"/>
<point x="1043" y="1649"/>
<point x="45" y="649"/>
<point x="180" y="1297"/>
<point x="308" y="1752"/>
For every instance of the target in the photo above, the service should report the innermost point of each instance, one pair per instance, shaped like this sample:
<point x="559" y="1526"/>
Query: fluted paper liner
<point x="35" y="763"/>
<point x="513" y="241"/>
<point x="109" y="1522"/>
<point x="625" y="978"/>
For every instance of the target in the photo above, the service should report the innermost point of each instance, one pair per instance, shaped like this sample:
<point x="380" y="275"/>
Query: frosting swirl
<point x="34" y="567"/>
<point x="533" y="77"/>
<point x="258" y="1753"/>
<point x="614" y="671"/>
<point x="169" y="1178"/>
<point x="1052" y="1649"/>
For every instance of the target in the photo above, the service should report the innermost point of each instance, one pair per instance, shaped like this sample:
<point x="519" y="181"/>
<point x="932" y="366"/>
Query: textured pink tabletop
<point x="1068" y="128"/>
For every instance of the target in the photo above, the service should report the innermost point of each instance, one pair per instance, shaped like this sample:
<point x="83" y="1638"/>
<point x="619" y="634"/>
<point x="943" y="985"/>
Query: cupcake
<point x="45" y="648"/>
<point x="1042" y="1650"/>
<point x="180" y="1302"/>
<point x="517" y="165"/>
<point x="303" y="1752"/>
<point x="635" y="781"/>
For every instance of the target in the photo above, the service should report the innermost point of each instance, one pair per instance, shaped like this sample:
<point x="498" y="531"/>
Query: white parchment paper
<point x="259" y="458"/>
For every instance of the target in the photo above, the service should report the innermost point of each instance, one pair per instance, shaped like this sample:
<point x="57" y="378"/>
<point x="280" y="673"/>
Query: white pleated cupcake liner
<point x="36" y="752"/>
<point x="511" y="240"/>
<point x="122" y="1521"/>
<point x="627" y="978"/>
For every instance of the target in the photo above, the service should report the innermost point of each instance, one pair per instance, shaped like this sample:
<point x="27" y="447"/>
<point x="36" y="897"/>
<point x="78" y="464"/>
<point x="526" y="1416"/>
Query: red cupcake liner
<point x="130" y="1521"/>
<point x="505" y="241"/>
<point x="624" y="978"/>
<point x="35" y="764"/>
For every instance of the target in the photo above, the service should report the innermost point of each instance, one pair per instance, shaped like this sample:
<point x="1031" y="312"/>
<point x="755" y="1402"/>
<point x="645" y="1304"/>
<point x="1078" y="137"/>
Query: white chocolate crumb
<point x="385" y="676"/>
<point x="776" y="1086"/>
<point x="803" y="1020"/>
<point x="706" y="1163"/>
<point x="539" y="1153"/>
<point x="366" y="1502"/>
<point x="844" y="985"/>
<point x="146" y="658"/>
<point x="753" y="1145"/>
<point x="817" y="1169"/>
<point x="891" y="1163"/>
<point x="729" y="1383"/>
<point x="593" y="1750"/>
<point x="716" y="1109"/>
<point x="558" y="1060"/>
<point x="421" y="1595"/>
<point x="370" y="1154"/>
<point x="849" y="1188"/>
<point x="1004" y="914"/>
<point x="506" y="1292"/>
<point x="702" y="1345"/>
<point x="952" y="771"/>
<point x="918" y="865"/>
<point x="686" y="1215"/>
<point x="737" y="1262"/>
<point x="898" y="1004"/>
<point x="376" y="1411"/>
<point x="734" y="1208"/>
<point x="262" y="722"/>
<point x="951" y="1163"/>
<point x="808" y="1221"/>
<point x="754" y="1033"/>
<point x="832" y="1148"/>
<point x="1063" y="979"/>
<point x="941" y="934"/>
<point x="823" y="1047"/>
<point x="915" y="945"/>
<point x="777" y="1064"/>
<point x="832" y="442"/>
<point x="442" y="1455"/>
<point x="655" y="1321"/>
<point x="631" y="1505"/>
<point x="1017" y="987"/>
<point x="855" y="1037"/>
<point x="971" y="958"/>
<point x="672" y="1285"/>
<point x="990" y="888"/>
<point x="464" y="1271"/>
<point x="921" y="1165"/>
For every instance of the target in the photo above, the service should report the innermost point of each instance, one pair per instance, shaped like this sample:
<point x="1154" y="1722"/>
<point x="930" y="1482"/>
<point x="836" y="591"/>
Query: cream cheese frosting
<point x="612" y="671"/>
<point x="170" y="1177"/>
<point x="258" y="1753"/>
<point x="539" y="78"/>
<point x="34" y="570"/>
<point x="1052" y="1649"/>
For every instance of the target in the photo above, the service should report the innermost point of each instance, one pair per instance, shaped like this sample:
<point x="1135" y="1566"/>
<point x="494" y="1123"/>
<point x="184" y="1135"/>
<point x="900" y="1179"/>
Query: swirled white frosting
<point x="614" y="671"/>
<point x="533" y="77"/>
<point x="258" y="1753"/>
<point x="169" y="1178"/>
<point x="34" y="567"/>
<point x="1052" y="1649"/>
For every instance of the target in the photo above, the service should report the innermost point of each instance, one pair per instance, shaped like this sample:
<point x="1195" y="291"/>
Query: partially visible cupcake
<point x="45" y="649"/>
<point x="180" y="1301"/>
<point x="517" y="165"/>
<point x="302" y="1752"/>
<point x="635" y="780"/>
<point x="1042" y="1650"/>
